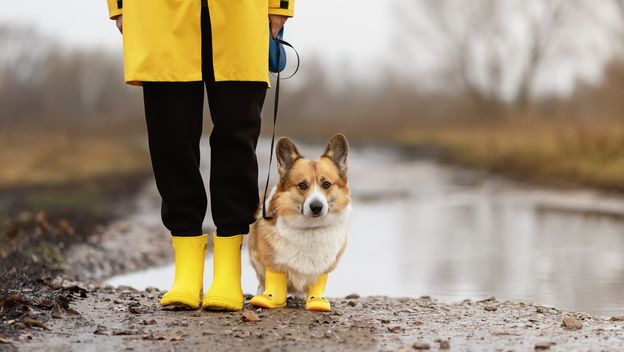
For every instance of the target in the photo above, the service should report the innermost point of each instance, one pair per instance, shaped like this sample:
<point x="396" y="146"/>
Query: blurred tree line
<point x="42" y="82"/>
<point x="486" y="61"/>
<point x="491" y="59"/>
<point x="500" y="58"/>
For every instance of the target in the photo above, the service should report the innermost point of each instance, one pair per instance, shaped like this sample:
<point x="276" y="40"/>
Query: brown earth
<point x="104" y="318"/>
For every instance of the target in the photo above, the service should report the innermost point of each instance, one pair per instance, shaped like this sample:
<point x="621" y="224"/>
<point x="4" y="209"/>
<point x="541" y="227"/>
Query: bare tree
<point x="494" y="51"/>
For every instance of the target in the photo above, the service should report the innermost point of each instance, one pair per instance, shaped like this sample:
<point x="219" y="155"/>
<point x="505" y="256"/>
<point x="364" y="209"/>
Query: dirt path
<point x="53" y="314"/>
<point x="117" y="319"/>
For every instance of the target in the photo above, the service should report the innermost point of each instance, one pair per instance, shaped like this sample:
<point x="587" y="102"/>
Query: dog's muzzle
<point x="316" y="207"/>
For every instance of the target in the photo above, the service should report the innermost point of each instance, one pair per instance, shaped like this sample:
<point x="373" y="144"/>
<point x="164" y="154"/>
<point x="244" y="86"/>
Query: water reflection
<point x="420" y="228"/>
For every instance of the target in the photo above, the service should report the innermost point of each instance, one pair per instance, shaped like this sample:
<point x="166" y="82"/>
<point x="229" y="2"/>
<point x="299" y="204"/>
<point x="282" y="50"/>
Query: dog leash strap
<point x="296" y="53"/>
<point x="275" y="110"/>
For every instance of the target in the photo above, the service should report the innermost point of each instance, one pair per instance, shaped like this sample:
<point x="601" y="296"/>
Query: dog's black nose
<point x="316" y="207"/>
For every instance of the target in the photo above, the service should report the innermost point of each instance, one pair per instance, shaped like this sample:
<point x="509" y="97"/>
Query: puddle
<point x="421" y="228"/>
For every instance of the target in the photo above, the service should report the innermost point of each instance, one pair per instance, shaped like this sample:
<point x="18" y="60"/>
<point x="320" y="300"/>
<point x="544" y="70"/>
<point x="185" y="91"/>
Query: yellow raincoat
<point x="162" y="38"/>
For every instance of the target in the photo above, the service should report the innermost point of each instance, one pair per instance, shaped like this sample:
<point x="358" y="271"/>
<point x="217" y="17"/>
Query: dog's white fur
<point x="304" y="245"/>
<point x="308" y="245"/>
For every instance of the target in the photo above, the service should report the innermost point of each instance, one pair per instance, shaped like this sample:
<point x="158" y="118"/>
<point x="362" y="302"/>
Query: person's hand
<point x="277" y="22"/>
<point x="119" y="23"/>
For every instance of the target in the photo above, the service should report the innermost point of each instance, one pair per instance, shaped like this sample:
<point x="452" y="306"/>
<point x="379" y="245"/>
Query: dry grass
<point x="48" y="156"/>
<point x="557" y="152"/>
<point x="563" y="152"/>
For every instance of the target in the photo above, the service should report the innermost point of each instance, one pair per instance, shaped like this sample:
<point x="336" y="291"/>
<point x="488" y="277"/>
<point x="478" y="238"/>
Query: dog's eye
<point x="326" y="184"/>
<point x="302" y="186"/>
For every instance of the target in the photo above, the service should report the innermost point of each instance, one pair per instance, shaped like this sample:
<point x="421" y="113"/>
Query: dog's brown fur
<point x="270" y="241"/>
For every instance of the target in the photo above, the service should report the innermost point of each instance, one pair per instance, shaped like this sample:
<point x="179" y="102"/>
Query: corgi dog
<point x="306" y="235"/>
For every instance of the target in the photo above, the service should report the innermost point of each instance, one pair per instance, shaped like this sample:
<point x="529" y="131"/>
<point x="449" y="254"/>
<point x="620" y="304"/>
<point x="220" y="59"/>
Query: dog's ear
<point x="286" y="154"/>
<point x="337" y="150"/>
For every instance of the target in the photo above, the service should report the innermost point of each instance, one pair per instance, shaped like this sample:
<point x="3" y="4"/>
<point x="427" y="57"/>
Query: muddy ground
<point x="102" y="318"/>
<point x="52" y="297"/>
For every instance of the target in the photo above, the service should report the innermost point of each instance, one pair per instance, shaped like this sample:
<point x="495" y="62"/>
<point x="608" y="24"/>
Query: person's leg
<point x="173" y="112"/>
<point x="235" y="110"/>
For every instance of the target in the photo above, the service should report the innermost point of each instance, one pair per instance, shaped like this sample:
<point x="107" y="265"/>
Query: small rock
<point x="617" y="318"/>
<point x="445" y="344"/>
<point x="26" y="336"/>
<point x="571" y="323"/>
<point x="395" y="329"/>
<point x="352" y="303"/>
<point x="543" y="345"/>
<point x="149" y="321"/>
<point x="250" y="316"/>
<point x="352" y="296"/>
<point x="490" y="308"/>
<point x="124" y="332"/>
<point x="101" y="331"/>
<point x="35" y="323"/>
<point x="138" y="309"/>
<point x="56" y="283"/>
<point x="540" y="310"/>
<point x="421" y="346"/>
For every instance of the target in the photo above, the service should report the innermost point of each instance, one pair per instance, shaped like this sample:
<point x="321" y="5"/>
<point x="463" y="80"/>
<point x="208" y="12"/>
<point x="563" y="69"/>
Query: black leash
<point x="275" y="109"/>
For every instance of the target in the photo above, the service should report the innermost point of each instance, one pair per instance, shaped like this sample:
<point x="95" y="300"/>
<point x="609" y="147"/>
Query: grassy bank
<point x="565" y="153"/>
<point x="36" y="156"/>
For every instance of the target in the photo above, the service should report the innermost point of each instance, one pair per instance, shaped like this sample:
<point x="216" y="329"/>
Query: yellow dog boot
<point x="225" y="292"/>
<point x="187" y="287"/>
<point x="315" y="297"/>
<point x="275" y="291"/>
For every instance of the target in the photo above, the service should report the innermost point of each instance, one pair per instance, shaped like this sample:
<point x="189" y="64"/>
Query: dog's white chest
<point x="310" y="251"/>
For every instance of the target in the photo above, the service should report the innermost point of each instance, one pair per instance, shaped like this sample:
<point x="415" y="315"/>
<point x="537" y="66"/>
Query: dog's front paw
<point x="318" y="304"/>
<point x="267" y="300"/>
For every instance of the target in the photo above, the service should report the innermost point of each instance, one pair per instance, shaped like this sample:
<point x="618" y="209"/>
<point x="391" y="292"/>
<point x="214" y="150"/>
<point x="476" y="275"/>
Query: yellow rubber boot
<point x="187" y="287"/>
<point x="315" y="297"/>
<point x="275" y="291"/>
<point x="225" y="292"/>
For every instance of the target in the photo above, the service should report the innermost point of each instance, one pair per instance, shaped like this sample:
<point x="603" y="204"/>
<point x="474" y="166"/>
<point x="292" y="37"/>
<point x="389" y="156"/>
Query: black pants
<point x="173" y="112"/>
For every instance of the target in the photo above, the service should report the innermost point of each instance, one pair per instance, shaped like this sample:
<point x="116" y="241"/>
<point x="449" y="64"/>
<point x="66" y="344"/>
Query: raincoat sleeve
<point x="114" y="9"/>
<point x="281" y="7"/>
